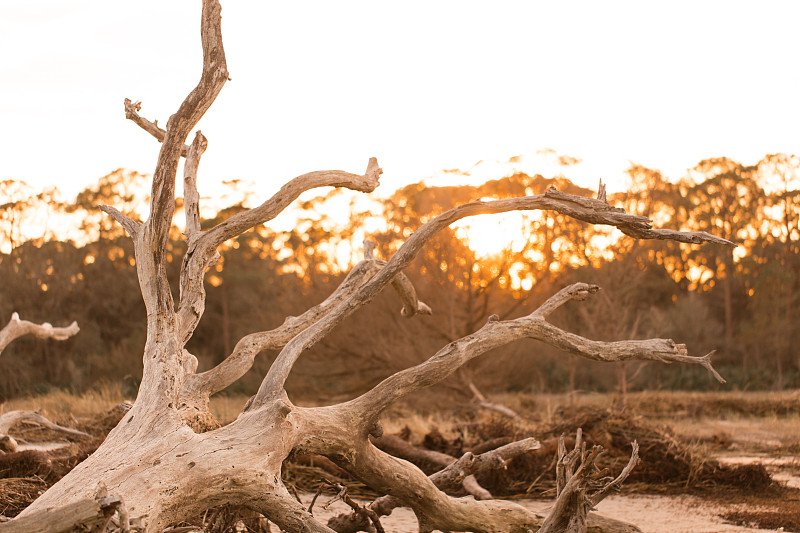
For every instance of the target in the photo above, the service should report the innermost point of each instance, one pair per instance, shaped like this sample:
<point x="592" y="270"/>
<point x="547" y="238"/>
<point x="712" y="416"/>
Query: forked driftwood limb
<point x="453" y="475"/>
<point x="17" y="328"/>
<point x="581" y="485"/>
<point x="398" y="447"/>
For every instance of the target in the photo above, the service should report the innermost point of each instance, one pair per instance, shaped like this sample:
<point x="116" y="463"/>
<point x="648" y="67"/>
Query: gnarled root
<point x="579" y="490"/>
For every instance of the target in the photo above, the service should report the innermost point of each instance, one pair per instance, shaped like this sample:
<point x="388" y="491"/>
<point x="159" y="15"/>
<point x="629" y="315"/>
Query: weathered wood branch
<point x="202" y="249"/>
<point x="588" y="210"/>
<point x="581" y="485"/>
<point x="91" y="514"/>
<point x="132" y="113"/>
<point x="399" y="448"/>
<point x="497" y="333"/>
<point x="12" y="418"/>
<point x="447" y="479"/>
<point x="191" y="197"/>
<point x="16" y="328"/>
<point x="132" y="226"/>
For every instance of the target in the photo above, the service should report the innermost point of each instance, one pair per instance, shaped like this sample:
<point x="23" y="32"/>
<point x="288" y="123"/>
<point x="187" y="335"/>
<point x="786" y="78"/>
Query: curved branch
<point x="434" y="509"/>
<point x="12" y="418"/>
<point x="448" y="478"/>
<point x="214" y="76"/>
<point x="191" y="197"/>
<point x="499" y="333"/>
<point x="586" y="209"/>
<point x="244" y="220"/>
<point x="400" y="448"/>
<point x="202" y="248"/>
<point x="245" y="351"/>
<point x="17" y="328"/>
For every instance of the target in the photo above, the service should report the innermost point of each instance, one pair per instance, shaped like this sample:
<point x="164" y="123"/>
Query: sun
<point x="492" y="235"/>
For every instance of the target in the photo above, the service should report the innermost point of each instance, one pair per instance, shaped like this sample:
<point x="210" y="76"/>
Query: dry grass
<point x="227" y="408"/>
<point x="756" y="421"/>
<point x="62" y="405"/>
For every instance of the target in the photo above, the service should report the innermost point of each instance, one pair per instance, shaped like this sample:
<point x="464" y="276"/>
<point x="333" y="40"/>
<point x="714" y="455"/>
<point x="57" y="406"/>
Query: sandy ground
<point x="652" y="514"/>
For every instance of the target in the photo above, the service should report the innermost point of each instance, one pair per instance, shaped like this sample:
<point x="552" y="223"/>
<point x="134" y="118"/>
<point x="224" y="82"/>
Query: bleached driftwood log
<point x="89" y="514"/>
<point x="17" y="328"/>
<point x="12" y="418"/>
<point x="169" y="468"/>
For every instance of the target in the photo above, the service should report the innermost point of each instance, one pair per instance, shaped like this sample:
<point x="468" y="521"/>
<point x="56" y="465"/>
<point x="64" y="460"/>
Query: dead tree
<point x="168" y="466"/>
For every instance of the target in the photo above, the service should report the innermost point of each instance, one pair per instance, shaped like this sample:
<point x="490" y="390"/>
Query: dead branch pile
<point x="668" y="464"/>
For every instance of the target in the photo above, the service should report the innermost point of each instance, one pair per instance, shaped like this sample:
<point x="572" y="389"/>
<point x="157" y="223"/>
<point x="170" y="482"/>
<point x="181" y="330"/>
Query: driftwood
<point x="12" y="418"/>
<point x="13" y="330"/>
<point x="453" y="475"/>
<point x="17" y="328"/>
<point x="581" y="485"/>
<point x="89" y="514"/>
<point x="171" y="468"/>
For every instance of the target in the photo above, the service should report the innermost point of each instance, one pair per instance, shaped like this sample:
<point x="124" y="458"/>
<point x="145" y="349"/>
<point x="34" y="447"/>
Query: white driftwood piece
<point x="16" y="328"/>
<point x="168" y="467"/>
<point x="12" y="418"/>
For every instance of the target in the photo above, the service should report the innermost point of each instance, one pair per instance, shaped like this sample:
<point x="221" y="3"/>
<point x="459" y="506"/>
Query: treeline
<point x="742" y="302"/>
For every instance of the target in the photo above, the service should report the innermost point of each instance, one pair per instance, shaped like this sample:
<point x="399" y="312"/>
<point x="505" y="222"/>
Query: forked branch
<point x="202" y="249"/>
<point x="214" y="76"/>
<point x="245" y="351"/>
<point x="12" y="418"/>
<point x="581" y="485"/>
<point x="586" y="209"/>
<point x="447" y="479"/>
<point x="132" y="113"/>
<point x="499" y="333"/>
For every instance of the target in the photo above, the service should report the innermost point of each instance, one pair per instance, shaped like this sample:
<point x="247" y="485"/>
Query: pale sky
<point x="422" y="86"/>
